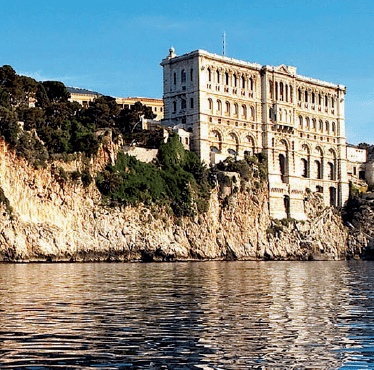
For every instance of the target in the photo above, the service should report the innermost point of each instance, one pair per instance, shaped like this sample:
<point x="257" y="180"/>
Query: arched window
<point x="175" y="78"/>
<point x="251" y="84"/>
<point x="243" y="82"/>
<point x="313" y="98"/>
<point x="236" y="109"/>
<point x="307" y="123"/>
<point x="191" y="74"/>
<point x="282" y="166"/>
<point x="219" y="105"/>
<point x="276" y="90"/>
<point x="314" y="123"/>
<point x="286" y="92"/>
<point x="331" y="171"/>
<point x="333" y="197"/>
<point x="299" y="94"/>
<point x="210" y="102"/>
<point x="244" y="111"/>
<point x="226" y="78"/>
<point x="301" y="122"/>
<point x="235" y="81"/>
<point x="271" y="89"/>
<point x="320" y="125"/>
<point x="183" y="76"/>
<point x="209" y="75"/>
<point x="304" y="167"/>
<point x="227" y="108"/>
<point x="291" y="94"/>
<point x="183" y="104"/>
<point x="306" y="96"/>
<point x="281" y="93"/>
<point x="326" y="101"/>
<point x="327" y="126"/>
<point x="332" y="102"/>
<point x="218" y="76"/>
<point x="333" y="127"/>
<point x="318" y="170"/>
<point x="252" y="113"/>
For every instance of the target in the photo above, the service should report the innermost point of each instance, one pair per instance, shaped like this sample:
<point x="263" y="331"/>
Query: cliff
<point x="57" y="220"/>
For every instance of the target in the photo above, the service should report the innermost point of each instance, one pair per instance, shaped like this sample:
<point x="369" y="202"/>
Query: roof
<point x="77" y="90"/>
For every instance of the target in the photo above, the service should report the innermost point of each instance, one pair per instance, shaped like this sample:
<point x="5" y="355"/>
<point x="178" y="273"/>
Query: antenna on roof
<point x="224" y="44"/>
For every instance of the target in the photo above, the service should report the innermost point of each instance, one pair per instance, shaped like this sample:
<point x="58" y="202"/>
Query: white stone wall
<point x="244" y="107"/>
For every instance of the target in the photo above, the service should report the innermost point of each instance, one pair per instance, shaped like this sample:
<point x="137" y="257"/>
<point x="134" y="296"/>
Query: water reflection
<point x="216" y="315"/>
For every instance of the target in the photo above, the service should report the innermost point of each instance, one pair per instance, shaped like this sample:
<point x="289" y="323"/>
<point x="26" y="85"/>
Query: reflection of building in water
<point x="235" y="108"/>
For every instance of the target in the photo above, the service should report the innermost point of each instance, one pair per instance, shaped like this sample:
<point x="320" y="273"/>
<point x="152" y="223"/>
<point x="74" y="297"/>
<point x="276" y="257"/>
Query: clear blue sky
<point x="115" y="46"/>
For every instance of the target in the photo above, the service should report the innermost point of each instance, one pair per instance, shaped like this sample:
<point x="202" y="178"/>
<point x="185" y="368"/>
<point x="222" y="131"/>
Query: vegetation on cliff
<point x="56" y="127"/>
<point x="178" y="179"/>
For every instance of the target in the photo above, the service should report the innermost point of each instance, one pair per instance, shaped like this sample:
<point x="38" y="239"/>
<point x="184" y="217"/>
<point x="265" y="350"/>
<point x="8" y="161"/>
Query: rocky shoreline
<point x="54" y="220"/>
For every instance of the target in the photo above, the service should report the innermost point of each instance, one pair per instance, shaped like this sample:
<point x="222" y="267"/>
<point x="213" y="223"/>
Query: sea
<point x="187" y="315"/>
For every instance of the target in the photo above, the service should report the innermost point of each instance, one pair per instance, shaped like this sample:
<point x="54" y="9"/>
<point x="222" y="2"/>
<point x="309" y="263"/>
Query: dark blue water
<point x="212" y="315"/>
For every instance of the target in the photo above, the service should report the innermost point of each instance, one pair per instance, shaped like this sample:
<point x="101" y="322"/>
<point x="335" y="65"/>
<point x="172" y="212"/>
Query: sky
<point x="115" y="46"/>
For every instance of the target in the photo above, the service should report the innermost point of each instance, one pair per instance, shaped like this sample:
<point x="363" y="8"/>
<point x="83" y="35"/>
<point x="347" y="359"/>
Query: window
<point x="244" y="111"/>
<point x="327" y="126"/>
<point x="286" y="87"/>
<point x="326" y="101"/>
<point x="281" y="91"/>
<point x="313" y="98"/>
<point x="183" y="76"/>
<point x="306" y="96"/>
<point x="183" y="104"/>
<point x="301" y="122"/>
<point x="191" y="102"/>
<point x="304" y="168"/>
<point x="186" y="140"/>
<point x="235" y="81"/>
<point x="276" y="91"/>
<point x="333" y="127"/>
<point x="282" y="166"/>
<point x="299" y="94"/>
<point x="191" y="74"/>
<point x="331" y="172"/>
<point x="226" y="78"/>
<point x="243" y="82"/>
<point x="175" y="78"/>
<point x="251" y="84"/>
<point x="210" y="104"/>
<point x="319" y="99"/>
<point x="236" y="109"/>
<point x="314" y="124"/>
<point x="209" y="75"/>
<point x="318" y="170"/>
<point x="320" y="125"/>
<point x="227" y="108"/>
<point x="219" y="105"/>
<point x="174" y="106"/>
<point x="218" y="76"/>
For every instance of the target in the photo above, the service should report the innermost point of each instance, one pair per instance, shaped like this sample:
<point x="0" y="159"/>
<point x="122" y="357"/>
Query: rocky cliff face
<point x="56" y="220"/>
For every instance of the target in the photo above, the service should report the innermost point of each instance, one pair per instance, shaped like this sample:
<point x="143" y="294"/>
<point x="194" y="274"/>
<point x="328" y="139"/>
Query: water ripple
<point x="216" y="315"/>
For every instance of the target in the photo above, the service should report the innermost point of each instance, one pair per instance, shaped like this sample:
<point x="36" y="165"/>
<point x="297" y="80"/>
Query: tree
<point x="56" y="91"/>
<point x="102" y="112"/>
<point x="129" y="117"/>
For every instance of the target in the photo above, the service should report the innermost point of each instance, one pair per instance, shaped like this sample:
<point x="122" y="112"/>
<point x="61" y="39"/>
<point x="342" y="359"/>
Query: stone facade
<point x="356" y="164"/>
<point x="235" y="108"/>
<point x="84" y="97"/>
